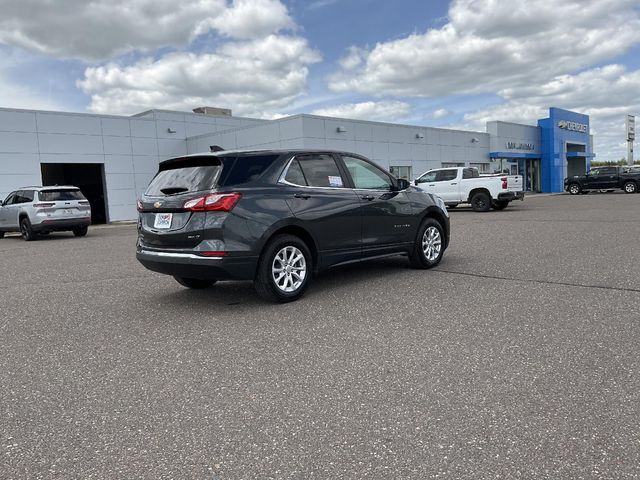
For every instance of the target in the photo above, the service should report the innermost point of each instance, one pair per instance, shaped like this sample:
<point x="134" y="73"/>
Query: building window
<point x="452" y="165"/>
<point x="482" y="167"/>
<point x="401" y="172"/>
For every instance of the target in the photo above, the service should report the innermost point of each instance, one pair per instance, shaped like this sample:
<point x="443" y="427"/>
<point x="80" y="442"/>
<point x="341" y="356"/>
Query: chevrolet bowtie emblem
<point x="157" y="204"/>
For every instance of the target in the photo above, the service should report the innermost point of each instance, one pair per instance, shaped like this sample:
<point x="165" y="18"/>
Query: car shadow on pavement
<point x="242" y="294"/>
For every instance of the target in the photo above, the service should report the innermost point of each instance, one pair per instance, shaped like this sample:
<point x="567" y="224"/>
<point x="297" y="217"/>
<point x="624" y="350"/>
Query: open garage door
<point x="88" y="177"/>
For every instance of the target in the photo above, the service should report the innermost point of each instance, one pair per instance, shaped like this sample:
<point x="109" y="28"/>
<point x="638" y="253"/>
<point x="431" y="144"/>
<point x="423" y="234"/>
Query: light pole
<point x="630" y="124"/>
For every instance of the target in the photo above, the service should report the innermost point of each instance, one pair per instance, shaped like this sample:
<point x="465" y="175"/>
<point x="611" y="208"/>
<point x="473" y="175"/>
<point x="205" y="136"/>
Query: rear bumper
<point x="509" y="196"/>
<point x="61" y="225"/>
<point x="190" y="265"/>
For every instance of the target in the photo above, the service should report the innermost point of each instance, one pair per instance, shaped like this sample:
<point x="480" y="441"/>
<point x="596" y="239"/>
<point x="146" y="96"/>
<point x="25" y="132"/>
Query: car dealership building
<point x="113" y="158"/>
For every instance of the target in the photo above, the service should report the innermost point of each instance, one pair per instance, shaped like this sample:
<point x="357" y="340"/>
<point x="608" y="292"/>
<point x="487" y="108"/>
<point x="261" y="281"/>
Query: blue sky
<point x="452" y="63"/>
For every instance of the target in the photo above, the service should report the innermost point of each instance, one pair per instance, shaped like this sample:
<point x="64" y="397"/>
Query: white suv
<point x="42" y="210"/>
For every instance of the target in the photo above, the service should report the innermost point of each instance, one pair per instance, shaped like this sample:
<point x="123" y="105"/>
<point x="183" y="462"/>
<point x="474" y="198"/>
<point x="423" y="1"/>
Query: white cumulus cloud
<point x="251" y="77"/>
<point x="384" y="110"/>
<point x="101" y="29"/>
<point x="488" y="45"/>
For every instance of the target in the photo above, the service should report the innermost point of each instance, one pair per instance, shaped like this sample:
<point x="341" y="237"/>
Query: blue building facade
<point x="566" y="147"/>
<point x="560" y="146"/>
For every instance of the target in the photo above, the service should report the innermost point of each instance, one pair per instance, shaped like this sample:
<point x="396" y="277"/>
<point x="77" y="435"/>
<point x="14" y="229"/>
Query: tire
<point x="195" y="283"/>
<point x="26" y="231"/>
<point x="481" y="202"/>
<point x="1" y="234"/>
<point x="630" y="187"/>
<point x="500" y="204"/>
<point x="80" y="231"/>
<point x="429" y="245"/>
<point x="575" y="189"/>
<point x="284" y="269"/>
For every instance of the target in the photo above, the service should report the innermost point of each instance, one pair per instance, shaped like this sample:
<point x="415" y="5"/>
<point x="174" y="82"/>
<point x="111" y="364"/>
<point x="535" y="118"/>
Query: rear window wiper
<point x="173" y="190"/>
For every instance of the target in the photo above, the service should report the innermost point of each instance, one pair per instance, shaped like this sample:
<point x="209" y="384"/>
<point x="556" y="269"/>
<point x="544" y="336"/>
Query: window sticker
<point x="335" y="181"/>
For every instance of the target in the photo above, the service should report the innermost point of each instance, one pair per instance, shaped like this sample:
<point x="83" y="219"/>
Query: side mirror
<point x="403" y="184"/>
<point x="415" y="182"/>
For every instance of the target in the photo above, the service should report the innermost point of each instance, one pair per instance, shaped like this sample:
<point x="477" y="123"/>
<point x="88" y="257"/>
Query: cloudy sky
<point x="452" y="63"/>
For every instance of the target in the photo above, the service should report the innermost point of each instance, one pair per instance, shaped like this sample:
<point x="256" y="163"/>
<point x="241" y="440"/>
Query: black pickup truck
<point x="604" y="178"/>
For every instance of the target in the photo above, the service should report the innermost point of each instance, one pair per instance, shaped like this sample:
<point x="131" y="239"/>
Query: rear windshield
<point x="197" y="174"/>
<point x="60" y="195"/>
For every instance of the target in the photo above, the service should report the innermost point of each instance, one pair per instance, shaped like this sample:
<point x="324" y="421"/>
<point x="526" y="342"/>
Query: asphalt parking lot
<point x="516" y="358"/>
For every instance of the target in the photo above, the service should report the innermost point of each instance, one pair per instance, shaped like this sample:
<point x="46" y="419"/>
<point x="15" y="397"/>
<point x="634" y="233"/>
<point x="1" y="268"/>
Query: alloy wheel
<point x="289" y="269"/>
<point x="431" y="243"/>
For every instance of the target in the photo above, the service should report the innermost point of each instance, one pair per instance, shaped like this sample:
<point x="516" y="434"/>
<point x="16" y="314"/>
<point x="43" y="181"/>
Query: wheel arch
<point x="479" y="190"/>
<point x="297" y="231"/>
<point x="436" y="214"/>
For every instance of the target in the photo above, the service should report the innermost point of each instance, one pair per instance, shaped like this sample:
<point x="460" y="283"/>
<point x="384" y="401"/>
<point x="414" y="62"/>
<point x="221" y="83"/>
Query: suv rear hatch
<point x="62" y="204"/>
<point x="164" y="220"/>
<point x="190" y="194"/>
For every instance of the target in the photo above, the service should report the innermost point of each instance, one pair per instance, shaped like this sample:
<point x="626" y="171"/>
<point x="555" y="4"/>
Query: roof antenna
<point x="216" y="148"/>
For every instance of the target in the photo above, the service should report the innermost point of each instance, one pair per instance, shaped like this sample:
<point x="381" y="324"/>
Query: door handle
<point x="432" y="184"/>
<point x="454" y="183"/>
<point x="302" y="195"/>
<point x="368" y="197"/>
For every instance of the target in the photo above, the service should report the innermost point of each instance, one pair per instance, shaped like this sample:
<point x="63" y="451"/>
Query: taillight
<point x="139" y="206"/>
<point x="84" y="202"/>
<point x="43" y="205"/>
<point x="504" y="183"/>
<point x="216" y="202"/>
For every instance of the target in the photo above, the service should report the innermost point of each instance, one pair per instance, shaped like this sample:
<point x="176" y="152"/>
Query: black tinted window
<point x="9" y="199"/>
<point x="444" y="175"/>
<point x="294" y="174"/>
<point x="60" y="195"/>
<point x="245" y="169"/>
<point x="470" y="173"/>
<point x="23" y="196"/>
<point x="321" y="171"/>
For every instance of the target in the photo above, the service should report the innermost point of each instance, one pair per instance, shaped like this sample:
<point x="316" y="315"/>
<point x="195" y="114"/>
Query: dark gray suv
<point x="277" y="217"/>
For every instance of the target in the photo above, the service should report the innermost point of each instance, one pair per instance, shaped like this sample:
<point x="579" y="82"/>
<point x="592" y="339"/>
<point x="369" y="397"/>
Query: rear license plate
<point x="163" y="220"/>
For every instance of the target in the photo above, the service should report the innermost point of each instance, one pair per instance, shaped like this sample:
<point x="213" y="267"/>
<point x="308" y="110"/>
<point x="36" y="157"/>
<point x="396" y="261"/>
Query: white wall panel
<point x="57" y="143"/>
<point x="193" y="129"/>
<point x="144" y="146"/>
<point x="118" y="164"/>
<point x="399" y="151"/>
<point x="313" y="127"/>
<point x="290" y="129"/>
<point x="11" y="121"/>
<point x="71" y="158"/>
<point x="418" y="152"/>
<point x="18" y="142"/>
<point x="117" y="145"/>
<point x="143" y="128"/>
<point x="168" y="148"/>
<point x="118" y="213"/>
<point x="19" y="163"/>
<point x="380" y="151"/>
<point x="380" y="133"/>
<point x="145" y="164"/>
<point x="163" y="128"/>
<point x="170" y="116"/>
<point x="119" y="181"/>
<point x="61" y="123"/>
<point x="364" y="148"/>
<point x="116" y="127"/>
<point x="364" y="131"/>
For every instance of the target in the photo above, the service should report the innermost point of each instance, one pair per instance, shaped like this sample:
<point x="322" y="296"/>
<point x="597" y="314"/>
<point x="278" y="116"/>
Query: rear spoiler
<point x="185" y="162"/>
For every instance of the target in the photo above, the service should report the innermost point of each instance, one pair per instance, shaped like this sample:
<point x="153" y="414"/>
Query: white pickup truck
<point x="466" y="185"/>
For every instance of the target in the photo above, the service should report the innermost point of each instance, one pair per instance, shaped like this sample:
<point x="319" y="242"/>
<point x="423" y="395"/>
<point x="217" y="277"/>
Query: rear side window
<point x="445" y="175"/>
<point x="470" y="173"/>
<point x="245" y="169"/>
<point x="294" y="174"/>
<point x="60" y="195"/>
<point x="321" y="171"/>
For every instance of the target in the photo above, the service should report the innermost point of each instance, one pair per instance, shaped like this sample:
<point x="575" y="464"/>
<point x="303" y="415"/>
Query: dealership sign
<point x="573" y="126"/>
<point x="631" y="128"/>
<point x="520" y="146"/>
